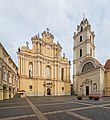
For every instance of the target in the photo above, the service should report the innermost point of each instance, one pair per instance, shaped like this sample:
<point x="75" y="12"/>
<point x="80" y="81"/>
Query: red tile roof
<point x="107" y="64"/>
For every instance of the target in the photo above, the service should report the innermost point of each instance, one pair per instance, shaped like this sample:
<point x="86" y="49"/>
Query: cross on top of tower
<point x="83" y="16"/>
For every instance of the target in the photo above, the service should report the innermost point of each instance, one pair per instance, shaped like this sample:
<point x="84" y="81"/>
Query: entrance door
<point x="48" y="91"/>
<point x="87" y="90"/>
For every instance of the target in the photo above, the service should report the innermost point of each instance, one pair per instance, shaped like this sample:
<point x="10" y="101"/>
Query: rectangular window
<point x="81" y="29"/>
<point x="80" y="52"/>
<point x="91" y="52"/>
<point x="81" y="38"/>
<point x="30" y="87"/>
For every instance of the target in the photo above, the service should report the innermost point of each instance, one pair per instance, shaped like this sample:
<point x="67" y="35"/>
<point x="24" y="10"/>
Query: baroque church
<point x="89" y="75"/>
<point x="43" y="71"/>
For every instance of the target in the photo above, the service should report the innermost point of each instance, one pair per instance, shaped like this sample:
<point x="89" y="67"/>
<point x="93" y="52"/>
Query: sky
<point x="22" y="19"/>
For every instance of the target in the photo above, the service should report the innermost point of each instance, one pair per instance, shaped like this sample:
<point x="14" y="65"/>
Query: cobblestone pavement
<point x="55" y="108"/>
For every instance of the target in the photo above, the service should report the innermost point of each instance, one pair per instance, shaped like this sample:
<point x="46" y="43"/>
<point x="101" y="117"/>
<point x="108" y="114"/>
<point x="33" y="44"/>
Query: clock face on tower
<point x="47" y="72"/>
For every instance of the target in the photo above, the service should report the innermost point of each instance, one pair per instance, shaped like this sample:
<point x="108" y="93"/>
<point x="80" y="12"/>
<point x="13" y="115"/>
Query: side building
<point x="8" y="75"/>
<point x="42" y="70"/>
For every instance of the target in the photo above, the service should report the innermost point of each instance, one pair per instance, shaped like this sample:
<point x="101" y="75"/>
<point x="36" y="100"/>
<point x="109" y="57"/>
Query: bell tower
<point x="83" y="47"/>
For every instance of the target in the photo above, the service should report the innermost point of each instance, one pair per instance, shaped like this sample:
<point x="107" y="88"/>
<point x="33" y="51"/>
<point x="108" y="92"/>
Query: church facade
<point x="9" y="83"/>
<point x="89" y="75"/>
<point x="43" y="70"/>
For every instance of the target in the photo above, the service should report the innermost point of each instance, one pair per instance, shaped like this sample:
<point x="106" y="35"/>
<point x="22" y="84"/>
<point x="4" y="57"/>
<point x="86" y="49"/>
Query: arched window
<point x="62" y="74"/>
<point x="81" y="28"/>
<point x="87" y="66"/>
<point x="48" y="72"/>
<point x="81" y="38"/>
<point x="95" y="87"/>
<point x="80" y="52"/>
<point x="30" y="70"/>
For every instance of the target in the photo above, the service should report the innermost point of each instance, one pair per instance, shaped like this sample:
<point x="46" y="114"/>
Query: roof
<point x="94" y="60"/>
<point x="107" y="64"/>
<point x="7" y="54"/>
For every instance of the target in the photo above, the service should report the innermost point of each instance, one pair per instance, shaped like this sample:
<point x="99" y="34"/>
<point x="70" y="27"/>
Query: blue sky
<point x="22" y="19"/>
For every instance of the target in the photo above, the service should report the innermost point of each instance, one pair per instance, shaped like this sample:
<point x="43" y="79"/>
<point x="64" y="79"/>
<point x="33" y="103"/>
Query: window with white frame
<point x="48" y="72"/>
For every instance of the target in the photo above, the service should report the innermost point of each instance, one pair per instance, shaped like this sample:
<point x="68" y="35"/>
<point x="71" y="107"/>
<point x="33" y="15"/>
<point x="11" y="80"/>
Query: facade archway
<point x="86" y="87"/>
<point x="48" y="91"/>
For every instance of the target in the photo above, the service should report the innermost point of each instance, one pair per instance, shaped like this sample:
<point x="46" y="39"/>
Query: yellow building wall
<point x="107" y="83"/>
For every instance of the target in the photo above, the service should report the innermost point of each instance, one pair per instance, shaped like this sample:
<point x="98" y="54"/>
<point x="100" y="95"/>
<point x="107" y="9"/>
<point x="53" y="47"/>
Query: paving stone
<point x="49" y="104"/>
<point x="15" y="112"/>
<point x="28" y="118"/>
<point x="51" y="108"/>
<point x="95" y="113"/>
<point x="61" y="116"/>
<point x="14" y="104"/>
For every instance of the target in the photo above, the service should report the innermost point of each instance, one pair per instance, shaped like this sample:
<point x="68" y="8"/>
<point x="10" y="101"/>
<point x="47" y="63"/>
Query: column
<point x="23" y="65"/>
<point x="11" y="93"/>
<point x="1" y="92"/>
<point x="52" y="71"/>
<point x="27" y="67"/>
<point x="58" y="71"/>
<point x="1" y="85"/>
<point x="74" y="54"/>
<point x="10" y="78"/>
<point x="67" y="73"/>
<point x="38" y="47"/>
<point x="19" y="65"/>
<point x="55" y="72"/>
<point x="1" y="74"/>
<point x="43" y="69"/>
<point x="24" y="60"/>
<point x="88" y="49"/>
<point x="34" y="68"/>
<point x="38" y="68"/>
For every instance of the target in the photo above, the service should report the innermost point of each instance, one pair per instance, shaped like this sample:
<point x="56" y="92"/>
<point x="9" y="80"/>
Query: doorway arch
<point x="48" y="91"/>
